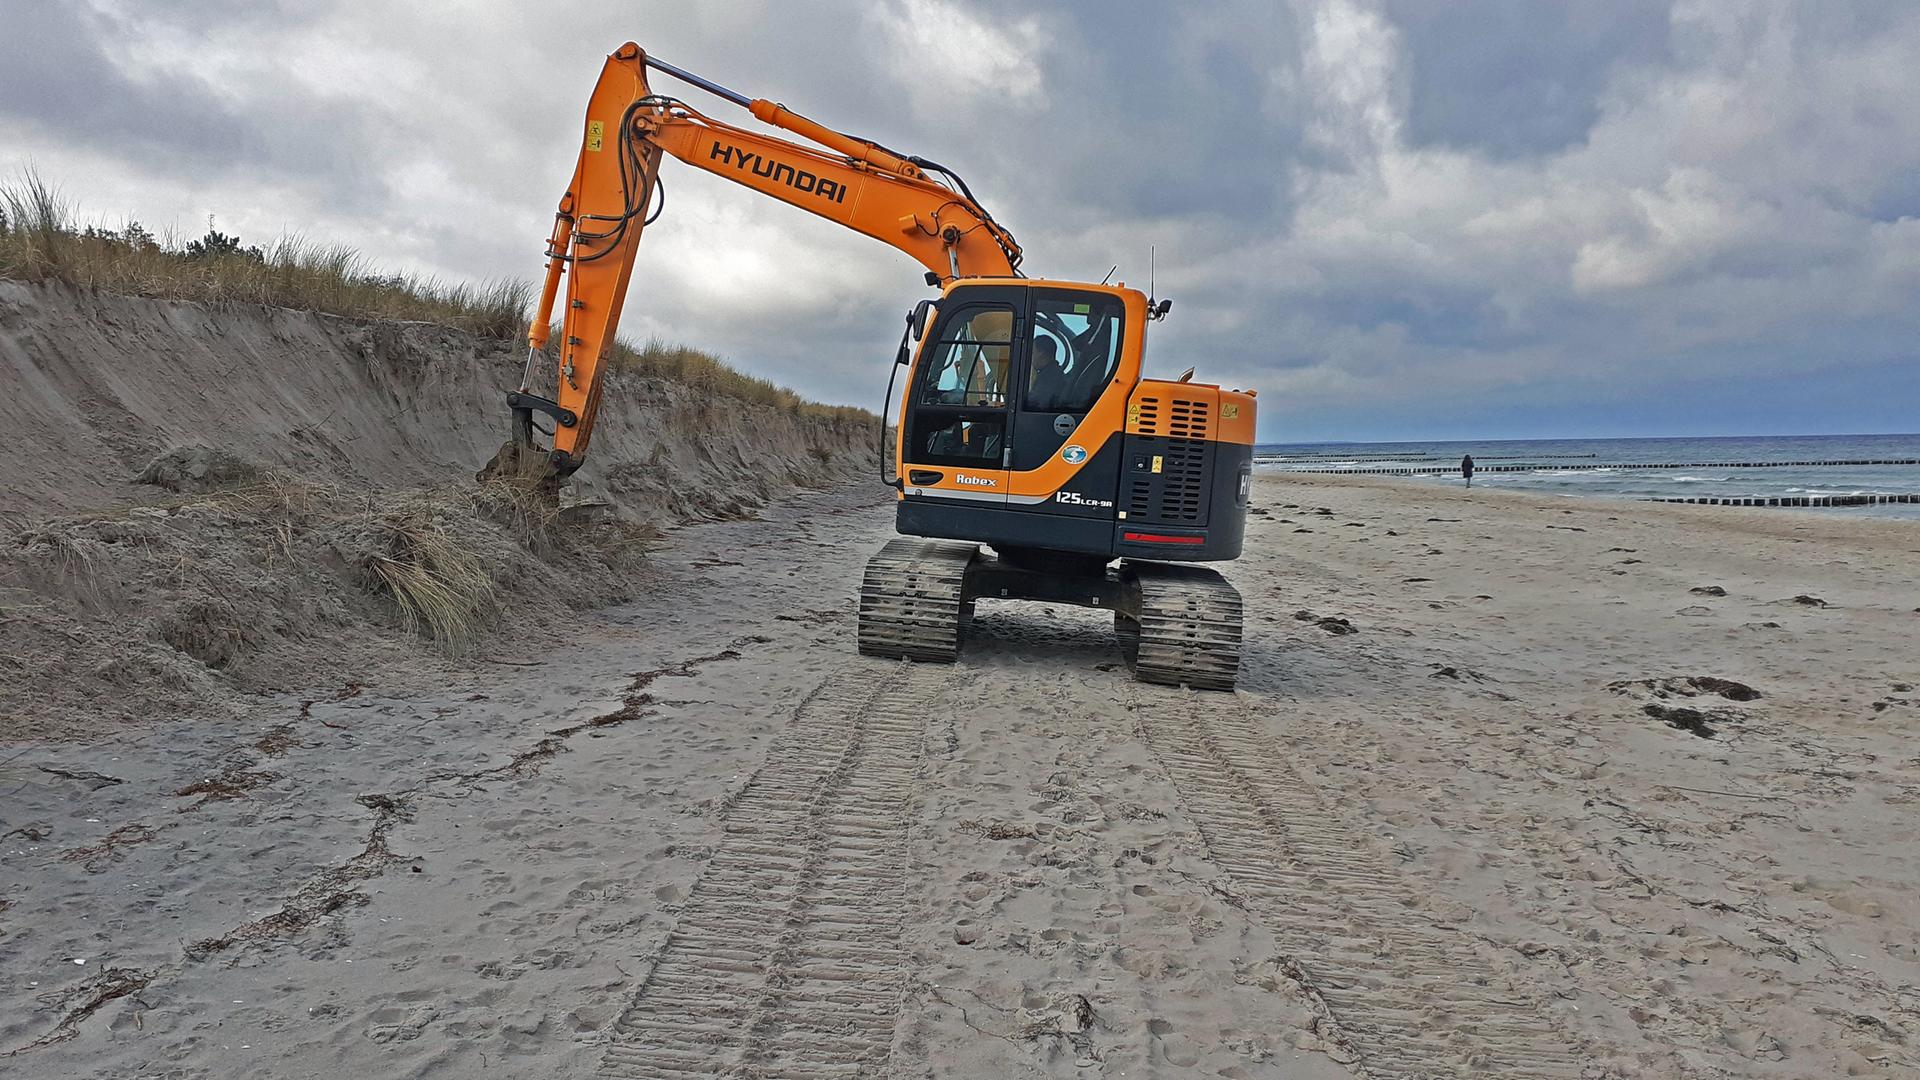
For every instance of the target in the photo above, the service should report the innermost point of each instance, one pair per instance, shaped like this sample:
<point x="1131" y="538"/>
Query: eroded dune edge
<point x="206" y="501"/>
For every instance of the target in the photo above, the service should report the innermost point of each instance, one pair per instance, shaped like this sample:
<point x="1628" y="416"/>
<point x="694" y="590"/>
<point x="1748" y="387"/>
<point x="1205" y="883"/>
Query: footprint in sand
<point x="1179" y="1051"/>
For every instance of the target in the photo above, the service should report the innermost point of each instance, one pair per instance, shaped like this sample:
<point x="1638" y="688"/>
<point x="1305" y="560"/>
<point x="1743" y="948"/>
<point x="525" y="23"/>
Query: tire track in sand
<point x="1412" y="999"/>
<point x="787" y="960"/>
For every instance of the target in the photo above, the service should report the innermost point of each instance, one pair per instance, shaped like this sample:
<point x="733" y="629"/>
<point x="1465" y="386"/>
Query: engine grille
<point x="1174" y="430"/>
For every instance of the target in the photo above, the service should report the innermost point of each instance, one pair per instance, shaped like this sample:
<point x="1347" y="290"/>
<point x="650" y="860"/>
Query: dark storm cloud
<point x="1384" y="213"/>
<point x="1518" y="77"/>
<point x="1155" y="111"/>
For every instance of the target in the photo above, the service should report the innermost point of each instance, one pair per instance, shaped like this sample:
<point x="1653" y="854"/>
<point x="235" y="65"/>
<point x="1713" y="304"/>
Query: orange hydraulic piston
<point x="782" y="117"/>
<point x="540" y="328"/>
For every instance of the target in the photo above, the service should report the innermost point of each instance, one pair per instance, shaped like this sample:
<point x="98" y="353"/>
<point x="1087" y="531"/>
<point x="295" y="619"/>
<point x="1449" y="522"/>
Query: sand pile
<point x="203" y="503"/>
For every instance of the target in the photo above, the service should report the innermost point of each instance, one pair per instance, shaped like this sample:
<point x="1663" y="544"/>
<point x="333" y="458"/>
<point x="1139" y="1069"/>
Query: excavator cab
<point x="1025" y="425"/>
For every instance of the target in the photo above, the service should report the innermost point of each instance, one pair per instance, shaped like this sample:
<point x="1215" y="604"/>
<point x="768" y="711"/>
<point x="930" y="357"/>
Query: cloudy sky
<point x="1395" y="218"/>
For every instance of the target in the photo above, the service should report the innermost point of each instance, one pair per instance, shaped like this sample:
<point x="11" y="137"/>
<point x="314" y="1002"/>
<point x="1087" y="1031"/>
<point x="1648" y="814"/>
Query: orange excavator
<point x="1026" y="424"/>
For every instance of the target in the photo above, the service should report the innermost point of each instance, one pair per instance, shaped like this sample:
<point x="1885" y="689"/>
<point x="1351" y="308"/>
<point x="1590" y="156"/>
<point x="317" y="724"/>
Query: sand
<point x="1509" y="789"/>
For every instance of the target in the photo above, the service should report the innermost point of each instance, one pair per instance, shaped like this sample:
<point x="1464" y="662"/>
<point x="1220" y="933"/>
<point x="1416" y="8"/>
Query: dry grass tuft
<point x="441" y="588"/>
<point x="277" y="494"/>
<point x="525" y="504"/>
<point x="703" y="371"/>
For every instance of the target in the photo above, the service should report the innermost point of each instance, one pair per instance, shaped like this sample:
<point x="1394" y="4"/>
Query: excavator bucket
<point x="522" y="463"/>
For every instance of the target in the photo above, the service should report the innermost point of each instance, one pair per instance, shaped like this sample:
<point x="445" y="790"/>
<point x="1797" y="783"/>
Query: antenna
<point x="1156" y="309"/>
<point x="1110" y="273"/>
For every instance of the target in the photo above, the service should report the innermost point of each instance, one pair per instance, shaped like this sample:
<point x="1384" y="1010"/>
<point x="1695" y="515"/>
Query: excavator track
<point x="1413" y="997"/>
<point x="1188" y="630"/>
<point x="913" y="601"/>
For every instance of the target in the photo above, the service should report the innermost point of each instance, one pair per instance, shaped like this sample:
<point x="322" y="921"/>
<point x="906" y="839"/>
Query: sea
<point x="1719" y="467"/>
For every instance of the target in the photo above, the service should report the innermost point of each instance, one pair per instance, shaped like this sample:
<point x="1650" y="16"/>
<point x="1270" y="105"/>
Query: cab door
<point x="958" y="421"/>
<point x="1067" y="358"/>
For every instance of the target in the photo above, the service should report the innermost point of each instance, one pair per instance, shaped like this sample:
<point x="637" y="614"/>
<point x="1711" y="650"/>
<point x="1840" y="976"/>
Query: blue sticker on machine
<point x="1074" y="455"/>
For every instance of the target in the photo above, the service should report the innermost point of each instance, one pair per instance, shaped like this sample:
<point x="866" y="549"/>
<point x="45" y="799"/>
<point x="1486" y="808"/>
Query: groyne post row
<point x="1319" y="459"/>
<point x="1798" y="500"/>
<point x="1422" y="470"/>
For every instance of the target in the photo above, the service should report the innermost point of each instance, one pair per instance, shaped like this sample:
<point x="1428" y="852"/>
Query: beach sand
<point x="1513" y="786"/>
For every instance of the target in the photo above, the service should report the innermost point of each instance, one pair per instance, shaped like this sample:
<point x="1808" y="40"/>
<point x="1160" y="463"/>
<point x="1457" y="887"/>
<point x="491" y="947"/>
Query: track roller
<point x="913" y="600"/>
<point x="1188" y="629"/>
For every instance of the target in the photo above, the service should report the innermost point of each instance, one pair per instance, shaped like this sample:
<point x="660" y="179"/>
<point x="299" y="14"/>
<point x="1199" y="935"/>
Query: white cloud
<point x="1350" y="71"/>
<point x="943" y="52"/>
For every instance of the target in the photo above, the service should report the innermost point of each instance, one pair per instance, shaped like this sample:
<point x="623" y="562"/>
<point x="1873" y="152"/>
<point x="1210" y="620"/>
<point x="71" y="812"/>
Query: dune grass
<point x="441" y="589"/>
<point x="704" y="371"/>
<point x="42" y="239"/>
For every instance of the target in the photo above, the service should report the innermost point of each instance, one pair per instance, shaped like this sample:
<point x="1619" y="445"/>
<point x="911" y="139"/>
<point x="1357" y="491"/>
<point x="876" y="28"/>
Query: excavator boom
<point x="609" y="201"/>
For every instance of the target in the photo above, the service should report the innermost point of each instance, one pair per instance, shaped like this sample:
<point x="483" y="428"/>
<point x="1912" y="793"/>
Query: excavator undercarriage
<point x="1177" y="625"/>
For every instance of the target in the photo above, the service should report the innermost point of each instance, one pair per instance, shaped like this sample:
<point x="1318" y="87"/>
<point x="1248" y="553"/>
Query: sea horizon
<point x="1642" y="467"/>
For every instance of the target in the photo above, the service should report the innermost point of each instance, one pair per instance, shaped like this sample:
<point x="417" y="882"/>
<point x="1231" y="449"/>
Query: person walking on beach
<point x="1466" y="469"/>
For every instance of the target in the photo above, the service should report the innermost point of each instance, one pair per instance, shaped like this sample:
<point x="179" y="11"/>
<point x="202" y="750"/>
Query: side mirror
<point x="1160" y="311"/>
<point x="917" y="320"/>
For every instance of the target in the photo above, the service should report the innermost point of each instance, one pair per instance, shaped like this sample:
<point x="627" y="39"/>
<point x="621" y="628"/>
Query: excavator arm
<point x="612" y="198"/>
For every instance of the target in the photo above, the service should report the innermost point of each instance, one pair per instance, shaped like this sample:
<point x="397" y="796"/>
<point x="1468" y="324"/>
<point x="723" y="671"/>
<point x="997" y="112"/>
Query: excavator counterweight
<point x="1026" y="423"/>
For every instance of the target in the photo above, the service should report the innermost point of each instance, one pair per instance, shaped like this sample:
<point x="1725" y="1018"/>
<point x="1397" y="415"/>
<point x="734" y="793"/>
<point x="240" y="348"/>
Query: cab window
<point x="976" y="442"/>
<point x="1074" y="351"/>
<point x="968" y="365"/>
<point x="960" y="415"/>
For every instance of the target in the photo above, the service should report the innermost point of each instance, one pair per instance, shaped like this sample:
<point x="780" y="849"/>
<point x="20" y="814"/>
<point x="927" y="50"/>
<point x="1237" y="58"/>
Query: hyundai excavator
<point x="1026" y="424"/>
